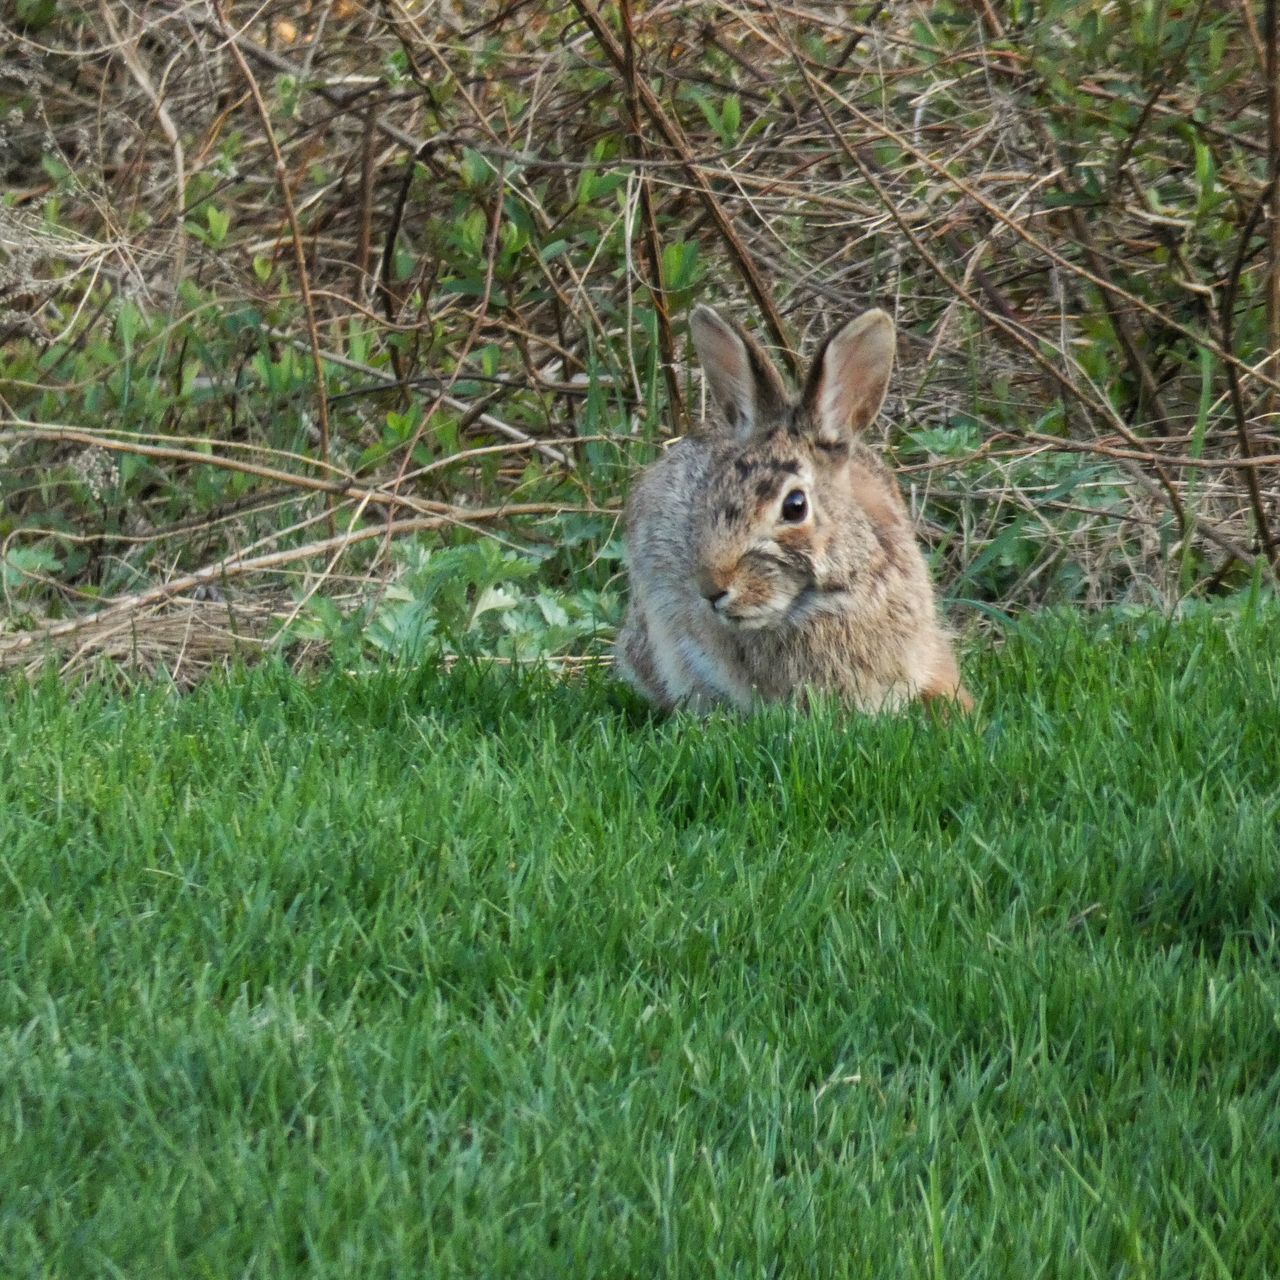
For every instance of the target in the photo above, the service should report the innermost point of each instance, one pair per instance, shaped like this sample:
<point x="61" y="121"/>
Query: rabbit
<point x="771" y="555"/>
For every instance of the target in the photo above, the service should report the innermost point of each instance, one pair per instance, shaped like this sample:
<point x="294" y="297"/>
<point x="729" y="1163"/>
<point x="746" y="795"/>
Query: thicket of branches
<point x="298" y="299"/>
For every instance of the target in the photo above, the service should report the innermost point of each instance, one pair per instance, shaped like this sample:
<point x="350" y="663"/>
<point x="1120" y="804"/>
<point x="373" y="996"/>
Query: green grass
<point x="491" y="976"/>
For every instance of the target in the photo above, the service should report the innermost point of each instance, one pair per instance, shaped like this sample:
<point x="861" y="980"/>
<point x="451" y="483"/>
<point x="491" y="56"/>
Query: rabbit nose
<point x="712" y="592"/>
<point x="709" y="586"/>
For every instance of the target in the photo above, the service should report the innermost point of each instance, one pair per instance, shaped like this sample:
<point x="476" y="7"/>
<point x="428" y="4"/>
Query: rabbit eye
<point x="795" y="506"/>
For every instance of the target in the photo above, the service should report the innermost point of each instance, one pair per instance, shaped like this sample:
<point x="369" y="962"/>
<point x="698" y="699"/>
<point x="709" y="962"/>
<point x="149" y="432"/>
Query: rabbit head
<point x="795" y="515"/>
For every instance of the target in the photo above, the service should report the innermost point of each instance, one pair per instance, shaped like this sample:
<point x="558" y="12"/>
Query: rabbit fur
<point x="771" y="554"/>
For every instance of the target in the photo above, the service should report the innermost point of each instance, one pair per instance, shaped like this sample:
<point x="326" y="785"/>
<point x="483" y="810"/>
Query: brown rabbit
<point x="772" y="553"/>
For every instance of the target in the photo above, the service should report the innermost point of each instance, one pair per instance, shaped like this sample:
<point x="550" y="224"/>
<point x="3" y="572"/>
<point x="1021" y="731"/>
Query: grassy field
<point x="493" y="976"/>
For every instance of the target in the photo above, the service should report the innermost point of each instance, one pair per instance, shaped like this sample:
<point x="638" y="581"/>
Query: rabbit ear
<point x="849" y="378"/>
<point x="742" y="379"/>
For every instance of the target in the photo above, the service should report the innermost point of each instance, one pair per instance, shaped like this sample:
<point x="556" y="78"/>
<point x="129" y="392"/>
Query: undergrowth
<point x="483" y="235"/>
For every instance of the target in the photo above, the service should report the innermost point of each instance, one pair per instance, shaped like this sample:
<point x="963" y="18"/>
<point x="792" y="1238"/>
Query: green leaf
<point x="34" y="15"/>
<point x="128" y="319"/>
<point x="54" y="167"/>
<point x="219" y="223"/>
<point x="474" y="168"/>
<point x="1206" y="176"/>
<point x="730" y="119"/>
<point x="18" y="564"/>
<point x="707" y="107"/>
<point x="680" y="264"/>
